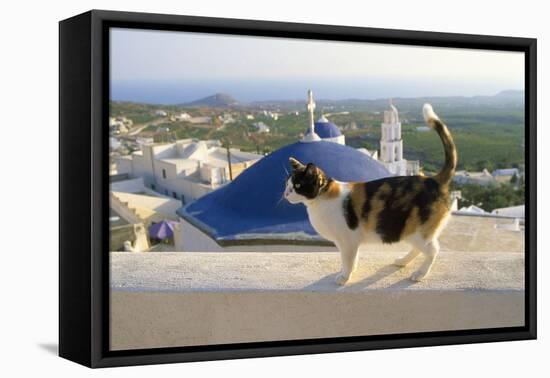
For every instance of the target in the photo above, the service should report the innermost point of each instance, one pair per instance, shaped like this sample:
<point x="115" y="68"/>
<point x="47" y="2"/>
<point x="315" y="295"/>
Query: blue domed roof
<point x="252" y="205"/>
<point x="326" y="129"/>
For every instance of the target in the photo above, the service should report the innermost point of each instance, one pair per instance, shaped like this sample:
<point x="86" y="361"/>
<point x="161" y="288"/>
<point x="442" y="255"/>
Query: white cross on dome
<point x="311" y="136"/>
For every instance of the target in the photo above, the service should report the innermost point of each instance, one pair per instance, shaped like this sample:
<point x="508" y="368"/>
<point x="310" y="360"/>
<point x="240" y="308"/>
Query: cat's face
<point x="304" y="182"/>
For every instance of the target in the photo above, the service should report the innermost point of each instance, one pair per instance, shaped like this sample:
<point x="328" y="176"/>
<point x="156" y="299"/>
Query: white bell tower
<point x="391" y="144"/>
<point x="311" y="136"/>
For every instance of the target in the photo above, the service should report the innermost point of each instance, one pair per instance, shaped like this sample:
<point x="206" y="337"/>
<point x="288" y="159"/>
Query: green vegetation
<point x="484" y="139"/>
<point x="489" y="148"/>
<point x="491" y="197"/>
<point x="138" y="113"/>
<point x="487" y="136"/>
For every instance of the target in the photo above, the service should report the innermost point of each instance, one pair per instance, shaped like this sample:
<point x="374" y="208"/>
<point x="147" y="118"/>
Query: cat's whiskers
<point x="283" y="193"/>
<point x="280" y="199"/>
<point x="286" y="171"/>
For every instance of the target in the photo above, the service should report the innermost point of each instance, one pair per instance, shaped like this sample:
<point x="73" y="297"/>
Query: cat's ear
<point x="311" y="170"/>
<point x="295" y="164"/>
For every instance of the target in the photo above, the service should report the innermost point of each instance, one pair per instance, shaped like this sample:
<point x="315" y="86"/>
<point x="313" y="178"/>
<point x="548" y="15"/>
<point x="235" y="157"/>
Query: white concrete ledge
<point x="179" y="299"/>
<point x="184" y="271"/>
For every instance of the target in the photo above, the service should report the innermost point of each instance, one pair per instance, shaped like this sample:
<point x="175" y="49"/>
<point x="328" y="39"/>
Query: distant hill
<point x="218" y="100"/>
<point x="504" y="99"/>
<point x="511" y="94"/>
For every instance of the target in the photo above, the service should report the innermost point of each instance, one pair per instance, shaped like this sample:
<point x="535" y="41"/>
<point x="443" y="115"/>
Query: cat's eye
<point x="297" y="185"/>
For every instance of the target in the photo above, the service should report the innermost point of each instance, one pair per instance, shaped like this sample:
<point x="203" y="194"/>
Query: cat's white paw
<point x="400" y="262"/>
<point x="341" y="279"/>
<point x="418" y="276"/>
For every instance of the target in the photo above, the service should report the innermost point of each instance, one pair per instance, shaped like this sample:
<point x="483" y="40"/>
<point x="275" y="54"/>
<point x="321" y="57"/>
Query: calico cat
<point x="414" y="209"/>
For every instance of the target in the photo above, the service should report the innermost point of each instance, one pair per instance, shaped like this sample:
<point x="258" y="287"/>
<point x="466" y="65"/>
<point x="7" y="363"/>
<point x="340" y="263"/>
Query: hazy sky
<point x="271" y="68"/>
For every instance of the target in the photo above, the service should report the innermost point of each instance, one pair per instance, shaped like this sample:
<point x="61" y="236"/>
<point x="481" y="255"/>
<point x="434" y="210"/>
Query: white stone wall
<point x="398" y="167"/>
<point x="128" y="186"/>
<point x="164" y="151"/>
<point x="215" y="298"/>
<point x="142" y="167"/>
<point x="124" y="165"/>
<point x="191" y="190"/>
<point x="213" y="175"/>
<point x="165" y="167"/>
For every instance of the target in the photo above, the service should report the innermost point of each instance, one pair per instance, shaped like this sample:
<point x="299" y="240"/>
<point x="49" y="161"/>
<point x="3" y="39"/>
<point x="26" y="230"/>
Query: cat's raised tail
<point x="446" y="174"/>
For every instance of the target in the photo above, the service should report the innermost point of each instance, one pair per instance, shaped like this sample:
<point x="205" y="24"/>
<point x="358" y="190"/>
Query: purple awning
<point x="162" y="230"/>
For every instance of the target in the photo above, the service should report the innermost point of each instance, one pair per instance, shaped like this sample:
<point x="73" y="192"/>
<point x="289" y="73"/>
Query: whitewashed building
<point x="482" y="178"/>
<point x="188" y="118"/>
<point x="509" y="172"/>
<point x="226" y="118"/>
<point x="512" y="211"/>
<point x="181" y="117"/>
<point x="186" y="169"/>
<point x="114" y="143"/>
<point x="391" y="143"/>
<point x="391" y="146"/>
<point x="119" y="125"/>
<point x="261" y="127"/>
<point x="200" y="120"/>
<point x="144" y="140"/>
<point x="506" y="175"/>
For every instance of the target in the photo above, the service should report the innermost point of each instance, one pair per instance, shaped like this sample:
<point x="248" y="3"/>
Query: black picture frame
<point x="84" y="201"/>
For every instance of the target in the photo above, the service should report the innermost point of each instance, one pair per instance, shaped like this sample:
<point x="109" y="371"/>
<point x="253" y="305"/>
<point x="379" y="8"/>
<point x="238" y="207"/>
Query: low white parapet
<point x="464" y="233"/>
<point x="181" y="299"/>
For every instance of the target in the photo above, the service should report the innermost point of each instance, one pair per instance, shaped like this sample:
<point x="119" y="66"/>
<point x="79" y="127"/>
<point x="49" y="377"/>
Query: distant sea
<point x="167" y="92"/>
